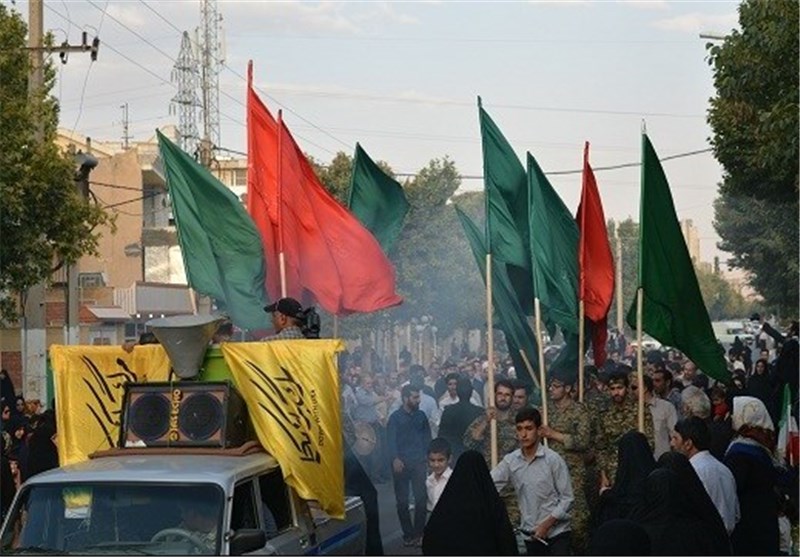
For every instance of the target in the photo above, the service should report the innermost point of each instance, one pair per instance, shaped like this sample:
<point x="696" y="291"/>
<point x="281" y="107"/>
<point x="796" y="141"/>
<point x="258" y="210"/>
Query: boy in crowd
<point x="439" y="464"/>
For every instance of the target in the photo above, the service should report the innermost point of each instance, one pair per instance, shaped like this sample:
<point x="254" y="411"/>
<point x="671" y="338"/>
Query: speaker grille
<point x="200" y="416"/>
<point x="149" y="416"/>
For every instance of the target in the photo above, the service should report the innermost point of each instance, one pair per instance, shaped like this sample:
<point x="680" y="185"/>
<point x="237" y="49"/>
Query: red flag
<point x="595" y="262"/>
<point x="329" y="256"/>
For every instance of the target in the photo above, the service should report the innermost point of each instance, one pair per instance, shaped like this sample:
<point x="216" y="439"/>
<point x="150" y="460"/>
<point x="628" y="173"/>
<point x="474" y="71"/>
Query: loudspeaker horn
<point x="185" y="338"/>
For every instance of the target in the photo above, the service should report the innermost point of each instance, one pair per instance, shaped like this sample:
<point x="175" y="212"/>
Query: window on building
<point x="240" y="177"/>
<point x="91" y="280"/>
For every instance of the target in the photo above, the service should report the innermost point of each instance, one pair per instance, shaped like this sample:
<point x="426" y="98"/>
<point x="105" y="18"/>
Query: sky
<point x="402" y="78"/>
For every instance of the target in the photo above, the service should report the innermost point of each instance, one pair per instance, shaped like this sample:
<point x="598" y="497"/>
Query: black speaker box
<point x="183" y="414"/>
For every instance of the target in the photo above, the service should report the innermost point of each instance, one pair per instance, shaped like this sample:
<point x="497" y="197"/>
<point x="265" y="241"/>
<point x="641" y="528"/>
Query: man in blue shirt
<point x="407" y="437"/>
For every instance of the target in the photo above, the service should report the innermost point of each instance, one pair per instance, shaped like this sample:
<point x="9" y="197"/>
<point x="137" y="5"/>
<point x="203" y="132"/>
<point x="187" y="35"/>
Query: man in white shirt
<point x="664" y="416"/>
<point x="692" y="438"/>
<point x="544" y="490"/>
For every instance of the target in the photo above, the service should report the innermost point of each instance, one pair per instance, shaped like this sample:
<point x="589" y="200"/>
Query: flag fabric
<point x="291" y="389"/>
<point x="221" y="247"/>
<point x="554" y="250"/>
<point x="673" y="311"/>
<point x="510" y="316"/>
<point x="506" y="209"/>
<point x="330" y="257"/>
<point x="90" y="385"/>
<point x="787" y="446"/>
<point x="595" y="261"/>
<point x="376" y="199"/>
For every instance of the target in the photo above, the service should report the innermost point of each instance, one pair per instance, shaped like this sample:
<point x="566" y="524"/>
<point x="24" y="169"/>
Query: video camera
<point x="310" y="323"/>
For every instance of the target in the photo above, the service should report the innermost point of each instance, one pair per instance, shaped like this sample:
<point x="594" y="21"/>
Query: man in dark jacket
<point x="457" y="417"/>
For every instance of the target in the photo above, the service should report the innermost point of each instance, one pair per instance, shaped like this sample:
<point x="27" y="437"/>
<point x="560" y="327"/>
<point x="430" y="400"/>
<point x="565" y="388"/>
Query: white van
<point x="727" y="331"/>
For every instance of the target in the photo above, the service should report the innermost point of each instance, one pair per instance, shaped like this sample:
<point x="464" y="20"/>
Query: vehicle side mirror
<point x="247" y="540"/>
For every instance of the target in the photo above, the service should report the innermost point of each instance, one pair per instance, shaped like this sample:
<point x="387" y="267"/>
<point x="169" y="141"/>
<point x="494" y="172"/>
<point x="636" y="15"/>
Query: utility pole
<point x="34" y="326"/>
<point x="125" y="135"/>
<point x="620" y="307"/>
<point x="34" y="333"/>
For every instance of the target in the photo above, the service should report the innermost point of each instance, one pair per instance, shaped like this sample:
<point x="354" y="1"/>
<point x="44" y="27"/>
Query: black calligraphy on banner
<point x="106" y="390"/>
<point x="293" y="409"/>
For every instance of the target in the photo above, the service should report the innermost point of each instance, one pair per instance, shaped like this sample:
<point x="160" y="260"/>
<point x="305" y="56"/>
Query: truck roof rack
<point x="247" y="448"/>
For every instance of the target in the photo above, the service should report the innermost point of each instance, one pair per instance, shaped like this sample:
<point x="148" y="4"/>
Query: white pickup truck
<point x="188" y="501"/>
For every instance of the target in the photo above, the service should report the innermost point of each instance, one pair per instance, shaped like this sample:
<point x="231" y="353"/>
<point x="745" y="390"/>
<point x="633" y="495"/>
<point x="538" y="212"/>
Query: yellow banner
<point x="291" y="388"/>
<point x="89" y="382"/>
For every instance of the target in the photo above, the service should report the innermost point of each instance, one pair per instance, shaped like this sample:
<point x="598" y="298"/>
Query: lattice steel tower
<point x="210" y="66"/>
<point x="187" y="76"/>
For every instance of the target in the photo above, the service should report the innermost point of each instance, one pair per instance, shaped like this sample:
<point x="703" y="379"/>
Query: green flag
<point x="221" y="247"/>
<point x="673" y="311"/>
<point x="376" y="200"/>
<point x="554" y="250"/>
<point x="506" y="209"/>
<point x="510" y="316"/>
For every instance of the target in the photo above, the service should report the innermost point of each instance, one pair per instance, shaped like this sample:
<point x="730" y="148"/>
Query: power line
<point x="161" y="17"/>
<point x="579" y="171"/>
<point x="287" y="108"/>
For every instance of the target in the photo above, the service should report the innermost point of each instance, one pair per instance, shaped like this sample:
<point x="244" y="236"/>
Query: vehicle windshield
<point x="121" y="519"/>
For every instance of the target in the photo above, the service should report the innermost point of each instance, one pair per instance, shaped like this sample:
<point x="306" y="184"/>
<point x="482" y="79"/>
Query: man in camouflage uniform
<point x="477" y="438"/>
<point x="568" y="432"/>
<point x="596" y="400"/>
<point x="621" y="416"/>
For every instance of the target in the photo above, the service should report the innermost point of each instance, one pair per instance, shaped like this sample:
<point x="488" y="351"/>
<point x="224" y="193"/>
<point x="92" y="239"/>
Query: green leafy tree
<point x="721" y="299"/>
<point x="44" y="222"/>
<point x="754" y="118"/>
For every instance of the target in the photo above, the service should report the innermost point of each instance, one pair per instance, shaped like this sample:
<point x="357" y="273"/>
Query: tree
<point x="754" y="118"/>
<point x="628" y="231"/>
<point x="44" y="222"/>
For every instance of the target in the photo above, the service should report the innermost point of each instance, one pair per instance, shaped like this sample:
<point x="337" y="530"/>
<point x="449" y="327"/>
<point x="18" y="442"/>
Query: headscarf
<point x="470" y="518"/>
<point x="7" y="392"/>
<point x="696" y="503"/>
<point x="752" y="423"/>
<point x="671" y="530"/>
<point x="750" y="411"/>
<point x="42" y="454"/>
<point x="620" y="536"/>
<point x="635" y="462"/>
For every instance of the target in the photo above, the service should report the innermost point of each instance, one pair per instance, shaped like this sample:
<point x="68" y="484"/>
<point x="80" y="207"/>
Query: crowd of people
<point x="703" y="476"/>
<point x="28" y="440"/>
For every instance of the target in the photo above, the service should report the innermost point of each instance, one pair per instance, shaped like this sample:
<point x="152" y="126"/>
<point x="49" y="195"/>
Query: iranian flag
<point x="788" y="441"/>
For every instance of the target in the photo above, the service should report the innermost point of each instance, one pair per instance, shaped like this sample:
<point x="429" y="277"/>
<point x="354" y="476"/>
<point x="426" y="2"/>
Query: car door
<point x="340" y="537"/>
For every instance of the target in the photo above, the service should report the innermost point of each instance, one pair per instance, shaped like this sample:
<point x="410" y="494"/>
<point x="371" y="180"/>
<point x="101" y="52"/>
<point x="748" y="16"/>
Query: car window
<point x="116" y="518"/>
<point x="243" y="514"/>
<point x="275" y="499"/>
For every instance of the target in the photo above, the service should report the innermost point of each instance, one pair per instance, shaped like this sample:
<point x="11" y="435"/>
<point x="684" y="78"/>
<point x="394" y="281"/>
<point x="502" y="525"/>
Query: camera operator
<point x="287" y="318"/>
<point x="291" y="321"/>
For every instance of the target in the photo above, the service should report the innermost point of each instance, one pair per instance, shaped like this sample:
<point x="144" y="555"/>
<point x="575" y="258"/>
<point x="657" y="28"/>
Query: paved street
<point x="390" y="525"/>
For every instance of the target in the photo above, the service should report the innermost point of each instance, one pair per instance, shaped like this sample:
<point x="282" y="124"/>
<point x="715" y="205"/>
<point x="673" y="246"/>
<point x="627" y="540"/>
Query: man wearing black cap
<point x="287" y="316"/>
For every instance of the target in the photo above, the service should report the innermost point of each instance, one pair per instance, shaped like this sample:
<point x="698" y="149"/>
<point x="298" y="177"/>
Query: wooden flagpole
<point x="529" y="368"/>
<point x="581" y="337"/>
<point x="639" y="364"/>
<point x="542" y="375"/>
<point x="490" y="353"/>
<point x="281" y="259"/>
